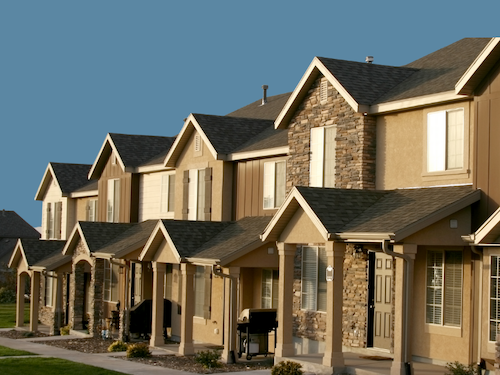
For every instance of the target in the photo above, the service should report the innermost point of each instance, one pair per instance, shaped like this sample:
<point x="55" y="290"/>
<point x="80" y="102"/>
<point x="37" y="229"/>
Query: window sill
<point x="199" y="320"/>
<point x="443" y="330"/>
<point x="452" y="173"/>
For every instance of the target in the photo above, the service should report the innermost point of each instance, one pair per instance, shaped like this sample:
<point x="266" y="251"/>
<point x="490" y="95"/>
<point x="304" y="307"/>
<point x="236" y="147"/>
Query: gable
<point x="160" y="247"/>
<point x="300" y="229"/>
<point x="195" y="153"/>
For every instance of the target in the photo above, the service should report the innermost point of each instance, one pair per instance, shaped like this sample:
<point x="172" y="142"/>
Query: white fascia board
<point x="480" y="59"/>
<point x="159" y="230"/>
<point x="77" y="231"/>
<point x="108" y="141"/>
<point x="84" y="194"/>
<point x="149" y="242"/>
<point x="258" y="154"/>
<point x="420" y="101"/>
<point x="49" y="173"/>
<point x="303" y="84"/>
<point x="201" y="261"/>
<point x="180" y="141"/>
<point x="17" y="248"/>
<point x="361" y="236"/>
<point x="154" y="168"/>
<point x="490" y="223"/>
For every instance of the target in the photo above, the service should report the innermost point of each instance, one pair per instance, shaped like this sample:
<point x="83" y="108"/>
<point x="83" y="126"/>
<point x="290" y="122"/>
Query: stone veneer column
<point x="284" y="343"/>
<point x="230" y="315"/>
<point x="58" y="305"/>
<point x="35" y="300"/>
<point x="333" y="356"/>
<point x="186" y="346"/>
<point x="96" y="297"/>
<point x="402" y="312"/>
<point x="159" y="270"/>
<point x="21" y="280"/>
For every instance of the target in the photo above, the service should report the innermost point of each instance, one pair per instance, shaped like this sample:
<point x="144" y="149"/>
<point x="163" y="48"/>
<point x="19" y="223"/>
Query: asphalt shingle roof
<point x="98" y="235"/>
<point x="53" y="260"/>
<point x="36" y="250"/>
<point x="71" y="177"/>
<point x="136" y="150"/>
<point x="365" y="211"/>
<point x="268" y="111"/>
<point x="13" y="226"/>
<point x="137" y="233"/>
<point x="227" y="134"/>
<point x="269" y="138"/>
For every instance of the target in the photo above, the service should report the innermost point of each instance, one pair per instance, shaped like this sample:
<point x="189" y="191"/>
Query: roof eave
<point x="268" y="152"/>
<point x="361" y="236"/>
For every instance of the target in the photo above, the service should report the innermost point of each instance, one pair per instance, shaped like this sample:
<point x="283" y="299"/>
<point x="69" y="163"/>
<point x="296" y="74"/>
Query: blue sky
<point x="73" y="71"/>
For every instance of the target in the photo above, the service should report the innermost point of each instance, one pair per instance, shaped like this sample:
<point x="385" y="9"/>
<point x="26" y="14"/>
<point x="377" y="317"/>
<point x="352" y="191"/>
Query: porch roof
<point x="35" y="250"/>
<point x="488" y="233"/>
<point x="347" y="214"/>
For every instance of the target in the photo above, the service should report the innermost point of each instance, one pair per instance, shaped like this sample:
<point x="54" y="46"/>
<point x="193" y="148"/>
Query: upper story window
<point x="444" y="288"/>
<point x="91" y="214"/>
<point x="202" y="292"/>
<point x="54" y="220"/>
<point x="113" y="201"/>
<point x="314" y="263"/>
<point x="167" y="194"/>
<point x="197" y="194"/>
<point x="322" y="161"/>
<point x="445" y="140"/>
<point x="274" y="184"/>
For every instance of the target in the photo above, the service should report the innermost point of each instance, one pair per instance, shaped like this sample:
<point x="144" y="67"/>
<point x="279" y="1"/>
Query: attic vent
<point x="113" y="158"/>
<point x="369" y="59"/>
<point x="197" y="143"/>
<point x="323" y="90"/>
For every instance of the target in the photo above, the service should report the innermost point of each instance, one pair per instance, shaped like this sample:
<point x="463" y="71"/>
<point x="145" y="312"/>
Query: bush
<point x="456" y="368"/>
<point x="29" y="334"/>
<point x="7" y="295"/>
<point x="287" y="368"/>
<point x="65" y="330"/>
<point x="117" y="346"/>
<point x="138" y="351"/>
<point x="208" y="358"/>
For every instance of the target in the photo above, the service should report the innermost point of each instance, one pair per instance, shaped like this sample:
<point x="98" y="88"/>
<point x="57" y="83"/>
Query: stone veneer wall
<point x="356" y="143"/>
<point x="312" y="324"/>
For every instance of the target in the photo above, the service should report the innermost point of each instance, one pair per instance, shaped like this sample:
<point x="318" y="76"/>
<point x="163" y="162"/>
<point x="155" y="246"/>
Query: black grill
<point x="254" y="327"/>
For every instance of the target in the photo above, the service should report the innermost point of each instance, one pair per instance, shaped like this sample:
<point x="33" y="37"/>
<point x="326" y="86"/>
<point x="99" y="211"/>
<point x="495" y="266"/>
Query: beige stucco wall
<point x="401" y="149"/>
<point x="300" y="229"/>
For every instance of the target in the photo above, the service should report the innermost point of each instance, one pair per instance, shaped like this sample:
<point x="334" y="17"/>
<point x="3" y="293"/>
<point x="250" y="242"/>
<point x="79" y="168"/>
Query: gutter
<point x="406" y="320"/>
<point x="232" y="282"/>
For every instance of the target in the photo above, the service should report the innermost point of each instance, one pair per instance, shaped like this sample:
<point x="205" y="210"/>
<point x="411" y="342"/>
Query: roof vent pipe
<point x="264" y="97"/>
<point x="369" y="59"/>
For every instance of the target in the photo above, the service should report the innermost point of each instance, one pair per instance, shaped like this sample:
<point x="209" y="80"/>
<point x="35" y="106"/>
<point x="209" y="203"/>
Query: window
<point x="274" y="184"/>
<point x="444" y="288"/>
<point x="314" y="263"/>
<point x="136" y="283"/>
<point x="494" y="298"/>
<point x="202" y="292"/>
<point x="167" y="193"/>
<point x="322" y="162"/>
<point x="92" y="210"/>
<point x="445" y="140"/>
<point x="197" y="194"/>
<point x="49" y="287"/>
<point x="270" y="281"/>
<point x="54" y="220"/>
<point x="111" y="272"/>
<point x="113" y="201"/>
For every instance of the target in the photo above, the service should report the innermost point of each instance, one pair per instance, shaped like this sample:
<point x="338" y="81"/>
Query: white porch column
<point x="333" y="356"/>
<point x="230" y="315"/>
<point x="186" y="346"/>
<point x="157" y="338"/>
<point x="403" y="307"/>
<point x="58" y="304"/>
<point x="35" y="301"/>
<point x="284" y="344"/>
<point x="21" y="280"/>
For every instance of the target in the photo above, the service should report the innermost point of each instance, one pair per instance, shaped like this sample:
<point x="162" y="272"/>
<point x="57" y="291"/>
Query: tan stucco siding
<point x="52" y="195"/>
<point x="401" y="150"/>
<point x="301" y="230"/>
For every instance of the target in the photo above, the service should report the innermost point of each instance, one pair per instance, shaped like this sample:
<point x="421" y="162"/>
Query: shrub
<point x="208" y="358"/>
<point x="65" y="330"/>
<point x="117" y="346"/>
<point x="456" y="368"/>
<point x="140" y="350"/>
<point x="287" y="368"/>
<point x="7" y="295"/>
<point x="28" y="334"/>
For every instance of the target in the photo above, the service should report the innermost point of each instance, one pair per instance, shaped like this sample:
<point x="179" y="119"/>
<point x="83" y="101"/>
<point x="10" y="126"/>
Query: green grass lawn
<point x="8" y="352"/>
<point x="49" y="366"/>
<point x="8" y="315"/>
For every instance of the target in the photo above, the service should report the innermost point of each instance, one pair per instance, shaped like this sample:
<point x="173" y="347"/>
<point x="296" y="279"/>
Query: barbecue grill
<point x="254" y="326"/>
<point x="142" y="313"/>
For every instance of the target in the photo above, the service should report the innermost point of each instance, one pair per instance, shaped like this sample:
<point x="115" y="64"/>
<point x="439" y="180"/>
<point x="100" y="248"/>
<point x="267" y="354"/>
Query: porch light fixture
<point x="453" y="223"/>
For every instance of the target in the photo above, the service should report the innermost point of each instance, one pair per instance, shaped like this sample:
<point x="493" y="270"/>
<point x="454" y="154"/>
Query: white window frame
<point x="49" y="289"/>
<point x="322" y="164"/>
<point x="111" y="281"/>
<point x="442" y="291"/>
<point x="494" y="299"/>
<point x="274" y="184"/>
<point x="446" y="140"/>
<point x="270" y="289"/>
<point x="167" y="193"/>
<point x="196" y="199"/>
<point x="92" y="210"/>
<point x="202" y="293"/>
<point x="313" y="278"/>
<point x="54" y="220"/>
<point x="113" y="201"/>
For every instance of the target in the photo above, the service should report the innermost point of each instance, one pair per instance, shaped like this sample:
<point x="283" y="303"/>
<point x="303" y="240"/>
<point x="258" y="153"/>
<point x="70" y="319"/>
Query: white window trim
<point x="272" y="299"/>
<point x="196" y="206"/>
<point x="49" y="289"/>
<point x="317" y="249"/>
<point x="113" y="201"/>
<point x="202" y="290"/>
<point x="167" y="202"/>
<point x="92" y="210"/>
<point x="490" y="267"/>
<point x="318" y="161"/>
<point x="53" y="230"/>
<point x="270" y="192"/>
<point x="113" y="287"/>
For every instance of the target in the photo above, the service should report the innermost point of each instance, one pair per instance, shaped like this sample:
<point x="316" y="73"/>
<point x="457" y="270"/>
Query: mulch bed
<point x="13" y="334"/>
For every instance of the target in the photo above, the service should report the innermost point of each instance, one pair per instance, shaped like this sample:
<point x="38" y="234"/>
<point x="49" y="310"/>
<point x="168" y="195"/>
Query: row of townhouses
<point x="362" y="206"/>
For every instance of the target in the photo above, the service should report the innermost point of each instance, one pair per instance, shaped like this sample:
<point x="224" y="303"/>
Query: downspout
<point x="480" y="307"/>
<point x="406" y="324"/>
<point x="232" y="289"/>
